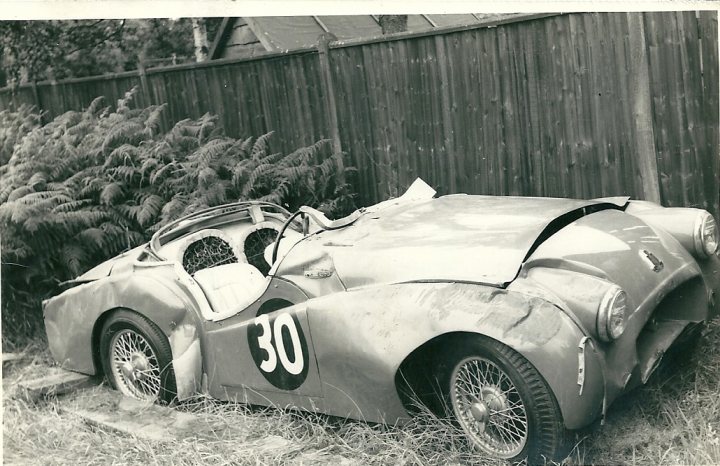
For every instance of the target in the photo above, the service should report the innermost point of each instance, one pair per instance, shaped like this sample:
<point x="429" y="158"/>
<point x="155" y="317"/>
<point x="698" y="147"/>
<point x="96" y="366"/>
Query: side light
<point x="705" y="235"/>
<point x="612" y="314"/>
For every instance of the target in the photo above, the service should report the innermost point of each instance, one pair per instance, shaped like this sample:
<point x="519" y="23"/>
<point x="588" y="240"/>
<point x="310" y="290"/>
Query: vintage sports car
<point x="522" y="317"/>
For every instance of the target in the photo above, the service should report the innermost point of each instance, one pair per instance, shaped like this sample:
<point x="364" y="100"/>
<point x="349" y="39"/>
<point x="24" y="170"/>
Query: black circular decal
<point x="272" y="305"/>
<point x="279" y="349"/>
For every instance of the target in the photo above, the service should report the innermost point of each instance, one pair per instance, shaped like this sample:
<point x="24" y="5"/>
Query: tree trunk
<point x="393" y="23"/>
<point x="201" y="39"/>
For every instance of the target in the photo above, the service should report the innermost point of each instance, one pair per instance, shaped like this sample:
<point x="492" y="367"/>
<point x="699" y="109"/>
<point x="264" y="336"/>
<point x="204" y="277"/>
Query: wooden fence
<point x="578" y="105"/>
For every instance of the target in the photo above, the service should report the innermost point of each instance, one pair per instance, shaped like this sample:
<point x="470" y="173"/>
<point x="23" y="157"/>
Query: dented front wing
<point x="384" y="325"/>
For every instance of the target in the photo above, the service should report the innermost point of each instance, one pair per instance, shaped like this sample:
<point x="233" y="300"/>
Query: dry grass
<point x="676" y="421"/>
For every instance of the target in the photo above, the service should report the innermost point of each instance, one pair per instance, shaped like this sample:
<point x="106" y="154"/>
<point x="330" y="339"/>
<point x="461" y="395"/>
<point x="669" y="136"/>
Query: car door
<point x="264" y="355"/>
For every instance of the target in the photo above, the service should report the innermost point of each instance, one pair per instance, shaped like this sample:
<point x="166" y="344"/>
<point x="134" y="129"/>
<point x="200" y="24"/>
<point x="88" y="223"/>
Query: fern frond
<point x="95" y="106"/>
<point x="207" y="126"/>
<point x="45" y="199"/>
<point x="149" y="165"/>
<point x="72" y="222"/>
<point x="152" y="123"/>
<point x="74" y="256"/>
<point x="125" y="173"/>
<point x="126" y="154"/>
<point x="214" y="149"/>
<point x="32" y="223"/>
<point x="90" y="186"/>
<point x="241" y="148"/>
<point x="207" y="177"/>
<point x="71" y="205"/>
<point x="123" y="103"/>
<point x="174" y="209"/>
<point x="127" y="132"/>
<point x="93" y="237"/>
<point x="330" y="166"/>
<point x="182" y="143"/>
<point x="158" y="174"/>
<point x="256" y="174"/>
<point x="17" y="193"/>
<point x="150" y="209"/>
<point x="214" y="194"/>
<point x="129" y="211"/>
<point x="259" y="149"/>
<point x="111" y="193"/>
<point x="272" y="158"/>
<point x="37" y="181"/>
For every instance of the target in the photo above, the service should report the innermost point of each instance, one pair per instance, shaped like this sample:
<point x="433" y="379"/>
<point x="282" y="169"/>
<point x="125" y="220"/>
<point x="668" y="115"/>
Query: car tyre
<point x="136" y="357"/>
<point x="502" y="403"/>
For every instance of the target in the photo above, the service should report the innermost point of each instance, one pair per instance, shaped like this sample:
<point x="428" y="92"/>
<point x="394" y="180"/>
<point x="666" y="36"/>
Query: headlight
<point x="705" y="235"/>
<point x="612" y="314"/>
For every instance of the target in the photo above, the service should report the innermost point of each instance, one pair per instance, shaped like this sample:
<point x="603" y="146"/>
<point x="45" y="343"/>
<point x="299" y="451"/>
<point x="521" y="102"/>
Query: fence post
<point x="446" y="117"/>
<point x="641" y="109"/>
<point x="38" y="103"/>
<point x="330" y="105"/>
<point x="144" y="84"/>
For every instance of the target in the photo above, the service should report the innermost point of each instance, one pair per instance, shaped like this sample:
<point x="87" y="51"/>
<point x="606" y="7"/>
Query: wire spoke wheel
<point x="134" y="365"/>
<point x="489" y="407"/>
<point x="137" y="358"/>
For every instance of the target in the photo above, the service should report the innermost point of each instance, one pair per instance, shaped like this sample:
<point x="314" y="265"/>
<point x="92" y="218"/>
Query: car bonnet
<point x="482" y="239"/>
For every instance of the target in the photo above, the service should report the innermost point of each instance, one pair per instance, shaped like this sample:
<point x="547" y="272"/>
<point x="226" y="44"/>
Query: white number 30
<point x="265" y="342"/>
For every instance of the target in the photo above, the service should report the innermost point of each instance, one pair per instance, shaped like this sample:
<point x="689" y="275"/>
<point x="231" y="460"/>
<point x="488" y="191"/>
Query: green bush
<point x="91" y="184"/>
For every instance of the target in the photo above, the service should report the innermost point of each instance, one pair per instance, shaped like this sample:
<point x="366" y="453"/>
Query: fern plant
<point x="14" y="126"/>
<point x="90" y="184"/>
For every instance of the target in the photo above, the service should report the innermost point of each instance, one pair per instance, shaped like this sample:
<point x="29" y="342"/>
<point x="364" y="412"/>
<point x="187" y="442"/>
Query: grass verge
<point x="668" y="422"/>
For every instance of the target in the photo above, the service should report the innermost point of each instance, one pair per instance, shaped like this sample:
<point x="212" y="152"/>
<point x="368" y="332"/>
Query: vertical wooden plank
<point x="144" y="87"/>
<point x="709" y="113"/>
<point x="447" y="127"/>
<point x="330" y="103"/>
<point x="641" y="108"/>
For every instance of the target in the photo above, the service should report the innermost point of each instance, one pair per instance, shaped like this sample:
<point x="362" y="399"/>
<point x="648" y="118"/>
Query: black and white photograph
<point x="359" y="233"/>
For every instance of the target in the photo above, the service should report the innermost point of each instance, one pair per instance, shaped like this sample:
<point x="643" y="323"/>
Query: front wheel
<point x="503" y="404"/>
<point x="136" y="357"/>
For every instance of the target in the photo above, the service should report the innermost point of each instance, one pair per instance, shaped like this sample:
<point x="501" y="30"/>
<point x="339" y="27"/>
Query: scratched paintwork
<point x="368" y="295"/>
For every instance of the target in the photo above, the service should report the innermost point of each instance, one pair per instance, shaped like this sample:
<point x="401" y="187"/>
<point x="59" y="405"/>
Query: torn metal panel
<point x="187" y="359"/>
<point x="72" y="317"/>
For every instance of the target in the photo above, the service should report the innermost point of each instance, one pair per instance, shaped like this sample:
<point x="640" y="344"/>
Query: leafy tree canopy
<point x="40" y="50"/>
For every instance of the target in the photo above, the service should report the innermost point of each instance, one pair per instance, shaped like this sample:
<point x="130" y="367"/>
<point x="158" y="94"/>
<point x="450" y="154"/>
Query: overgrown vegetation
<point x="90" y="184"/>
<point x="668" y="422"/>
<point x="15" y="125"/>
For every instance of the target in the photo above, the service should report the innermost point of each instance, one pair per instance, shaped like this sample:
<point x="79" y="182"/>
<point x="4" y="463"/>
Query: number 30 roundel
<point x="279" y="349"/>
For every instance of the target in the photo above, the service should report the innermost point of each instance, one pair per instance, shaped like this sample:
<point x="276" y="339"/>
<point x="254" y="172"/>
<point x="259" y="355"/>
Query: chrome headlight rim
<point x="612" y="305"/>
<point x="705" y="244"/>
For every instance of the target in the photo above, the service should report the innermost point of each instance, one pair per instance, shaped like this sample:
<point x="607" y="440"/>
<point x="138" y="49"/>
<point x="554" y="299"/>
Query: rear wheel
<point x="136" y="357"/>
<point x="502" y="403"/>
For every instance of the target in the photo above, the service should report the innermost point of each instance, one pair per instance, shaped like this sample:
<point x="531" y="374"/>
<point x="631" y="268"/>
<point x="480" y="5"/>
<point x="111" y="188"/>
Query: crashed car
<point x="522" y="318"/>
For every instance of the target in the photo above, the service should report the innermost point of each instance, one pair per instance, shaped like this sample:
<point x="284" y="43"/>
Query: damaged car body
<point x="520" y="318"/>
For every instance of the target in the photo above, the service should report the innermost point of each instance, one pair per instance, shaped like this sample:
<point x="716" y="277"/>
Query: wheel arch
<point x="560" y="375"/>
<point x="95" y="339"/>
<point x="412" y="380"/>
<point x="74" y="322"/>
